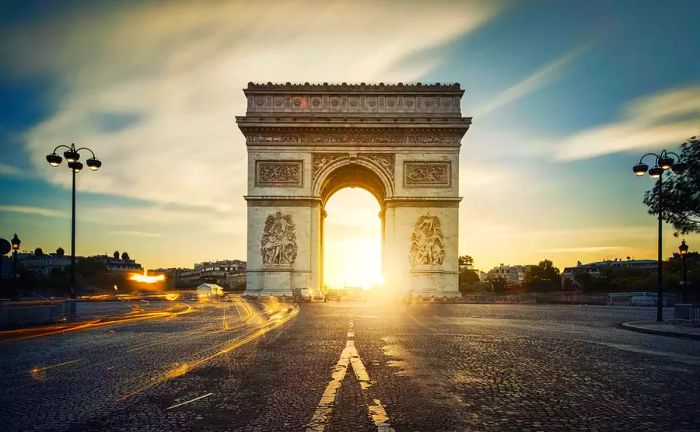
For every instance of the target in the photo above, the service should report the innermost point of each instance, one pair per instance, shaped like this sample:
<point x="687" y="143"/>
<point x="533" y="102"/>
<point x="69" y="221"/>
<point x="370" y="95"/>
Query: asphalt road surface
<point x="248" y="366"/>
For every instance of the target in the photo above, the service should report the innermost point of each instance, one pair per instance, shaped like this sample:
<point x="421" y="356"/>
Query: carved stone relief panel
<point x="427" y="243"/>
<point x="384" y="160"/>
<point x="279" y="173"/>
<point x="320" y="160"/>
<point x="427" y="174"/>
<point x="278" y="245"/>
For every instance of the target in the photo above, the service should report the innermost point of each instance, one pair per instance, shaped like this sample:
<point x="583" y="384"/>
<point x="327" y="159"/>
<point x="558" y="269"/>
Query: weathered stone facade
<point x="400" y="142"/>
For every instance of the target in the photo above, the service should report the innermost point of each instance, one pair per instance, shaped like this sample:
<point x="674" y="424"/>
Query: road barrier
<point x="19" y="313"/>
<point x="688" y="314"/>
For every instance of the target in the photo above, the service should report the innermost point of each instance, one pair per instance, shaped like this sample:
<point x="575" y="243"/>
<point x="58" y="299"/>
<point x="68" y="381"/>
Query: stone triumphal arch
<point x="400" y="142"/>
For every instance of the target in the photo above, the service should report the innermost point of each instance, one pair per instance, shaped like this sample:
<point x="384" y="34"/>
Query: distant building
<point x="118" y="264"/>
<point x="514" y="275"/>
<point x="41" y="263"/>
<point x="595" y="268"/>
<point x="223" y="272"/>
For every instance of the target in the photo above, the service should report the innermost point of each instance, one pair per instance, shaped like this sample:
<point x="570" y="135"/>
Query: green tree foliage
<point x="542" y="277"/>
<point x="499" y="285"/>
<point x="90" y="269"/>
<point x="125" y="256"/>
<point x="681" y="197"/>
<point x="116" y="254"/>
<point x="468" y="281"/>
<point x="466" y="260"/>
<point x="60" y="252"/>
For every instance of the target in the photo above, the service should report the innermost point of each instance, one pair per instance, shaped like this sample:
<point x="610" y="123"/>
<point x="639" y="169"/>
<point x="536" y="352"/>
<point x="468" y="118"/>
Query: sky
<point x="565" y="97"/>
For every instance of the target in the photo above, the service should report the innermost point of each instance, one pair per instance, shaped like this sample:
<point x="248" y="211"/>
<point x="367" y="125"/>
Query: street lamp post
<point x="72" y="156"/>
<point x="664" y="162"/>
<point x="15" y="248"/>
<point x="683" y="249"/>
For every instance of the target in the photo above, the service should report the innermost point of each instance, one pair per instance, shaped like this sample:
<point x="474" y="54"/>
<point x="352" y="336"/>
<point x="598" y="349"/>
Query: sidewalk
<point x="664" y="329"/>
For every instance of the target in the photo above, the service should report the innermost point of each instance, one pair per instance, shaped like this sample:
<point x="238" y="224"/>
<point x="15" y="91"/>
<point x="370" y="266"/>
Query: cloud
<point x="542" y="77"/>
<point x="9" y="170"/>
<point x="153" y="88"/>
<point x="667" y="118"/>
<point x="38" y="211"/>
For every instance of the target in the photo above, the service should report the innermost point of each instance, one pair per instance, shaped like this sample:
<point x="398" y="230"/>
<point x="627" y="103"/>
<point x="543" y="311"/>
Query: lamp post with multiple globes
<point x="72" y="156"/>
<point x="664" y="161"/>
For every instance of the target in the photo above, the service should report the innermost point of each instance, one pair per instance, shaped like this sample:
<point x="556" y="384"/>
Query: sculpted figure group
<point x="427" y="242"/>
<point x="278" y="244"/>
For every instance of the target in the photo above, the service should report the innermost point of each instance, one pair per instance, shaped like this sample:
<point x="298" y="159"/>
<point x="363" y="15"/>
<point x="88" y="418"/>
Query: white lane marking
<point x="189" y="401"/>
<point x="349" y="357"/>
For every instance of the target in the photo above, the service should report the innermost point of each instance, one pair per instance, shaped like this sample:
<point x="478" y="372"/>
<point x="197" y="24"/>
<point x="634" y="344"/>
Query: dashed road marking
<point x="348" y="357"/>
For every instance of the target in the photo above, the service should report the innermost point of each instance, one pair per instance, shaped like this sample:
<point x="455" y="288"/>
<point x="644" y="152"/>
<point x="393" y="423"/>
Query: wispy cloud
<point x="667" y="118"/>
<point x="543" y="76"/>
<point x="175" y="71"/>
<point x="38" y="211"/>
<point x="9" y="170"/>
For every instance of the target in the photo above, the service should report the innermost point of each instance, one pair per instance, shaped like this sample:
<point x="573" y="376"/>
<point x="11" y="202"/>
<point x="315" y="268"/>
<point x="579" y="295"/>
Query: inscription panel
<point x="279" y="173"/>
<point x="427" y="174"/>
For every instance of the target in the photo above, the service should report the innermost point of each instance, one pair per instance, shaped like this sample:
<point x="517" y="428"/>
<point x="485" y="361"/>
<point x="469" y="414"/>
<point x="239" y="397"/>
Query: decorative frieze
<point x="427" y="247"/>
<point x="279" y="173"/>
<point x="369" y="103"/>
<point x="331" y="138"/>
<point x="426" y="174"/>
<point x="278" y="245"/>
<point x="320" y="160"/>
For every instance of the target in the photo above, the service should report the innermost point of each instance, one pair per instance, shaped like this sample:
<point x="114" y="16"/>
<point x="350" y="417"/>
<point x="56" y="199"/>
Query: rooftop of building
<point x="355" y="88"/>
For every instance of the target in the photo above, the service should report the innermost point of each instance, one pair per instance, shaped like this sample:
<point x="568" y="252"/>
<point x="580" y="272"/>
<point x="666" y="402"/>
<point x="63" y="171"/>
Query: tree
<point x="466" y="260"/>
<point x="125" y="256"/>
<point x="60" y="252"/>
<point x="542" y="277"/>
<point x="681" y="192"/>
<point x="499" y="284"/>
<point x="116" y="254"/>
<point x="38" y="251"/>
<point x="468" y="279"/>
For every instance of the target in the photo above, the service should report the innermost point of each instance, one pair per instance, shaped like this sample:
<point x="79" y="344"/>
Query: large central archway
<point x="351" y="241"/>
<point x="354" y="174"/>
<point x="399" y="142"/>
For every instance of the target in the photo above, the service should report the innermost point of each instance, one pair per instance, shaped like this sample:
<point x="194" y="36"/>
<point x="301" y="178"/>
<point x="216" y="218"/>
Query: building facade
<point x="513" y="275"/>
<point x="399" y="142"/>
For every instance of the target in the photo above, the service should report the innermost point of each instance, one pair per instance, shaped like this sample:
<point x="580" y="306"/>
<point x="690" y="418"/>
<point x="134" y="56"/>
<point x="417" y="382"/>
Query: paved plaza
<point x="353" y="366"/>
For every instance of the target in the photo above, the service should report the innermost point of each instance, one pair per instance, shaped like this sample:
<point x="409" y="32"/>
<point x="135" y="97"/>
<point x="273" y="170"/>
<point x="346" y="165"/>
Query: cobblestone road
<point x="424" y="367"/>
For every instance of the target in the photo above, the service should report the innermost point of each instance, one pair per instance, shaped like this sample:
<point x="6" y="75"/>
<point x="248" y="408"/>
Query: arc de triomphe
<point x="400" y="142"/>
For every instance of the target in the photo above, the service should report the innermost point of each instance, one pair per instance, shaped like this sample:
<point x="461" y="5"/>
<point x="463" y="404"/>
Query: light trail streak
<point x="224" y="319"/>
<point x="37" y="373"/>
<point x="189" y="401"/>
<point x="127" y="318"/>
<point x="181" y="369"/>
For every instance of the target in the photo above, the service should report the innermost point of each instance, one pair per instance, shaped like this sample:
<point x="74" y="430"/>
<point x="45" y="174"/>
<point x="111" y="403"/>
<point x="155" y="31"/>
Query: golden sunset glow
<point x="145" y="278"/>
<point x="352" y="240"/>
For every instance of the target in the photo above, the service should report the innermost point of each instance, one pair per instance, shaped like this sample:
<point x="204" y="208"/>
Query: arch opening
<point x="353" y="175"/>
<point x="352" y="239"/>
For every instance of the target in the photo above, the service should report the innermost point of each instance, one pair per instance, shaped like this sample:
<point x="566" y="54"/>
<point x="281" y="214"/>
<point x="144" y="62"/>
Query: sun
<point x="352" y="240"/>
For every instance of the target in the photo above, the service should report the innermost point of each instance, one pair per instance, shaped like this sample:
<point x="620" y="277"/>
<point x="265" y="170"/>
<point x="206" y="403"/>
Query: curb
<point x="633" y="326"/>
